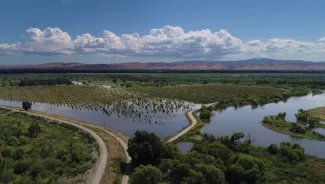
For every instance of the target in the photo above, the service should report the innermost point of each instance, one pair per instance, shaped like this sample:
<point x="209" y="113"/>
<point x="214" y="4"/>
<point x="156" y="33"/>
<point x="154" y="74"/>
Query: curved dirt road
<point x="102" y="160"/>
<point x="184" y="131"/>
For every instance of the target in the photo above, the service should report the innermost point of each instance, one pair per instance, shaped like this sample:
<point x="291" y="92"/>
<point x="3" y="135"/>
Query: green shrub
<point x="273" y="149"/>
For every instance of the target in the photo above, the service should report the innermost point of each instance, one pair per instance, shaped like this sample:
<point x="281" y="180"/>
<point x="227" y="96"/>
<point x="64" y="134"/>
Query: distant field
<point x="318" y="112"/>
<point x="74" y="96"/>
<point x="207" y="93"/>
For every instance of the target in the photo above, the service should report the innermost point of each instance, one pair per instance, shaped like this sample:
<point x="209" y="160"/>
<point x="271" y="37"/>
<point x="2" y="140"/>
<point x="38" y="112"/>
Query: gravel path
<point x="184" y="131"/>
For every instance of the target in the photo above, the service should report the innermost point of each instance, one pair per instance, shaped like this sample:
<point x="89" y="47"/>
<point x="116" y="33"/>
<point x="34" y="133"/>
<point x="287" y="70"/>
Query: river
<point x="249" y="120"/>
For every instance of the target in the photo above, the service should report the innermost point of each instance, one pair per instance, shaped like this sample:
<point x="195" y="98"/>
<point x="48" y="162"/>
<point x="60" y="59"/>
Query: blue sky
<point x="102" y="31"/>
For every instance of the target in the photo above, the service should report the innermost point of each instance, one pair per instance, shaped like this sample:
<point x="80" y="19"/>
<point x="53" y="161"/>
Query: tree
<point x="170" y="151"/>
<point x="205" y="115"/>
<point x="146" y="175"/>
<point x="34" y="129"/>
<point x="145" y="148"/>
<point x="293" y="152"/>
<point x="246" y="169"/>
<point x="211" y="173"/>
<point x="282" y="115"/>
<point x="129" y="85"/>
<point x="27" y="105"/>
<point x="273" y="149"/>
<point x="114" y="80"/>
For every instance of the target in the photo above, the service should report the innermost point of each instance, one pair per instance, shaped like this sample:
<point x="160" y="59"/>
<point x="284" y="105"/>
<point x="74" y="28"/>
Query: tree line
<point x="228" y="159"/>
<point x="45" y="82"/>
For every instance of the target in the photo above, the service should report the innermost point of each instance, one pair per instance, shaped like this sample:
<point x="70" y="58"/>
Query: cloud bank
<point x="171" y="41"/>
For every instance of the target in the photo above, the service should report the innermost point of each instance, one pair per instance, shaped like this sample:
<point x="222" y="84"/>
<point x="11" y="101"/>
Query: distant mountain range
<point x="249" y="64"/>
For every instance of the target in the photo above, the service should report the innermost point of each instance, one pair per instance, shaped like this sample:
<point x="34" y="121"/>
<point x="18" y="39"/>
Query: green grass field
<point x="207" y="93"/>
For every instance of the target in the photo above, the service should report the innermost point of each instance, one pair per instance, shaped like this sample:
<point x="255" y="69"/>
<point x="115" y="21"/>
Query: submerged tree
<point x="27" y="105"/>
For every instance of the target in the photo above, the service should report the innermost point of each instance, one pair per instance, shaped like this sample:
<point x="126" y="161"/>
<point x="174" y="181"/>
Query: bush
<point x="34" y="129"/>
<point x="273" y="149"/>
<point x="12" y="141"/>
<point x="292" y="152"/>
<point x="8" y="151"/>
<point x="129" y="85"/>
<point x="146" y="175"/>
<point x="22" y="166"/>
<point x="297" y="128"/>
<point x="246" y="169"/>
<point x="205" y="115"/>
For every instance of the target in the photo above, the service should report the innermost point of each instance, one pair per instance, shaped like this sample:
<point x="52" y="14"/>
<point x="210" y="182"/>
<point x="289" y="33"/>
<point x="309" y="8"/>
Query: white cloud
<point x="48" y="41"/>
<point x="322" y="39"/>
<point x="168" y="41"/>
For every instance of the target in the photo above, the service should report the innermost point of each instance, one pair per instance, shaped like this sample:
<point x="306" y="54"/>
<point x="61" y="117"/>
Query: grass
<point x="318" y="113"/>
<point x="59" y="151"/>
<point x="283" y="127"/>
<point x="74" y="96"/>
<point x="207" y="93"/>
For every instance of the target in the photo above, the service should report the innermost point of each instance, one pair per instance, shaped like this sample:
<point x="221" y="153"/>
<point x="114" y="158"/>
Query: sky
<point x="105" y="31"/>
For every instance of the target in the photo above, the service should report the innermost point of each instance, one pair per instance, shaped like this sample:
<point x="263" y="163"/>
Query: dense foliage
<point x="146" y="175"/>
<point x="35" y="151"/>
<point x="206" y="113"/>
<point x="145" y="148"/>
<point x="201" y="78"/>
<point x="260" y="99"/>
<point x="210" y="92"/>
<point x="234" y="160"/>
<point x="47" y="82"/>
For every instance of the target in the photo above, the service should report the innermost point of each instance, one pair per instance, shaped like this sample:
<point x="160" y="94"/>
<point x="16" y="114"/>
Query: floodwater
<point x="249" y="120"/>
<point x="165" y="126"/>
<point x="244" y="119"/>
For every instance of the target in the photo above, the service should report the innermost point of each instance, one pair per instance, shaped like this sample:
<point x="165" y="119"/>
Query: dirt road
<point x="102" y="160"/>
<point x="184" y="131"/>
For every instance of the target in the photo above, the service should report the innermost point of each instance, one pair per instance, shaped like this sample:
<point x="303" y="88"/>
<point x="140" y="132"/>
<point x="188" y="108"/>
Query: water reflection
<point x="248" y="120"/>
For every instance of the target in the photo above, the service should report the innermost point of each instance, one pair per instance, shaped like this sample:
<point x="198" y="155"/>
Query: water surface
<point x="168" y="125"/>
<point x="249" y="121"/>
